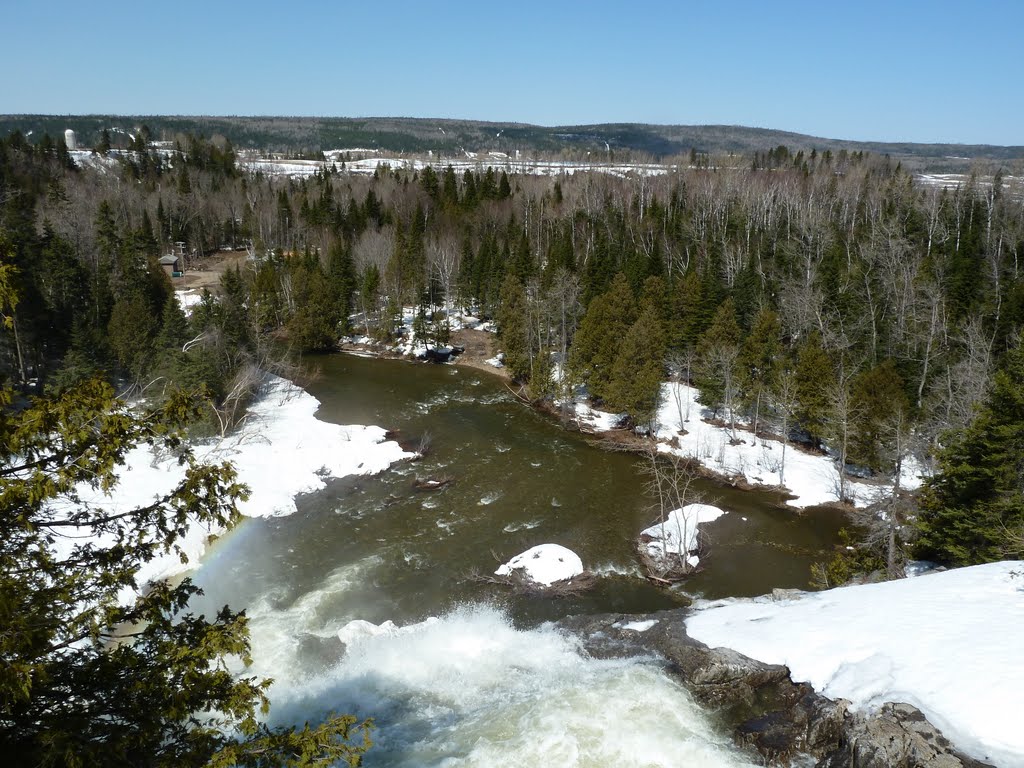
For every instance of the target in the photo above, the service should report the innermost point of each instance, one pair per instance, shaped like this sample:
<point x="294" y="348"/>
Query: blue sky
<point x="894" y="71"/>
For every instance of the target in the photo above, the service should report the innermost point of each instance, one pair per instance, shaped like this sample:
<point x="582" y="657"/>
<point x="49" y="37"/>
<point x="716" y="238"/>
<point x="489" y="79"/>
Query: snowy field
<point x="281" y="450"/>
<point x="468" y="161"/>
<point x="948" y="643"/>
<point x="953" y="180"/>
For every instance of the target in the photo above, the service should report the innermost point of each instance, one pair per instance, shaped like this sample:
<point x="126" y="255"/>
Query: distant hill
<point x="418" y="135"/>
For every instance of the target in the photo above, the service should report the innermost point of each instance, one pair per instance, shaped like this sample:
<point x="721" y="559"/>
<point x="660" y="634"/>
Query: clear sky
<point x="908" y="70"/>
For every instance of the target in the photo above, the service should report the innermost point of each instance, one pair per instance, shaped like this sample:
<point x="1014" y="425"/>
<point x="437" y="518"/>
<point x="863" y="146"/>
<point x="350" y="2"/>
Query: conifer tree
<point x="599" y="336"/>
<point x="717" y="353"/>
<point x="513" y="328"/>
<point x="814" y="371"/>
<point x="639" y="369"/>
<point x="758" y="358"/>
<point x="972" y="511"/>
<point x="90" y="678"/>
<point x="313" y="325"/>
<point x="878" y="398"/>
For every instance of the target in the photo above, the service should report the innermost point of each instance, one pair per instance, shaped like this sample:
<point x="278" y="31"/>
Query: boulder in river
<point x="544" y="565"/>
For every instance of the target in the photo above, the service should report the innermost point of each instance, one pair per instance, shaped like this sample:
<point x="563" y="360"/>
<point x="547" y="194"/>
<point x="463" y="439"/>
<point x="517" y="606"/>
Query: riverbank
<point x="280" y="450"/>
<point x="727" y="452"/>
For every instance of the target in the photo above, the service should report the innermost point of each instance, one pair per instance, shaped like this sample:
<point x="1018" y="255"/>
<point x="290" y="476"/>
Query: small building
<point x="174" y="262"/>
<point x="171" y="265"/>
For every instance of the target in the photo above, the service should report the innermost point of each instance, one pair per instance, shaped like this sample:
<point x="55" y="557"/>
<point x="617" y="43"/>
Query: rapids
<point x="472" y="675"/>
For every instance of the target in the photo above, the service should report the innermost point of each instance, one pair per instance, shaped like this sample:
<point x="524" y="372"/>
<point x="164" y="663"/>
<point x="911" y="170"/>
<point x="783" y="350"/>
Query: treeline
<point x="820" y="295"/>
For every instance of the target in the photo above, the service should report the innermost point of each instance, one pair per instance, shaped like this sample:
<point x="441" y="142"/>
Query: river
<point x="485" y="683"/>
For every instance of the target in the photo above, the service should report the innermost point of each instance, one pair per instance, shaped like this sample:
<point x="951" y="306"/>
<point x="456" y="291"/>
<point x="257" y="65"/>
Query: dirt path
<point x="207" y="271"/>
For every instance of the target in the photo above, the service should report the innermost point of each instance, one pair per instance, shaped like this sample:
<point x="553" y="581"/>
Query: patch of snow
<point x="637" y="626"/>
<point x="949" y="644"/>
<point x="544" y="564"/>
<point x="595" y="420"/>
<point x="677" y="536"/>
<point x="188" y="298"/>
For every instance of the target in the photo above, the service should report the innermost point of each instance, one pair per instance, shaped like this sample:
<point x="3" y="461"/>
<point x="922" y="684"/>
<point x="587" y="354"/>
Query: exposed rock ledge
<point x="782" y="720"/>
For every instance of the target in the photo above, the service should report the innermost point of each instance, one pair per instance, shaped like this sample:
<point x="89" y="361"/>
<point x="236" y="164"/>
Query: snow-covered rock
<point x="948" y="643"/>
<point x="544" y="564"/>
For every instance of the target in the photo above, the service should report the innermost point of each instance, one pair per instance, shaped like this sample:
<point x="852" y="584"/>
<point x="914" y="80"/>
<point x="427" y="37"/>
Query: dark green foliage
<point x="513" y="329"/>
<point x="88" y="680"/>
<point x="596" y="345"/>
<point x="639" y="369"/>
<point x="758" y="361"/>
<point x="693" y="310"/>
<point x="313" y="326"/>
<point x="131" y="329"/>
<point x="880" y="403"/>
<point x="718" y="347"/>
<point x="814" y="374"/>
<point x="973" y="510"/>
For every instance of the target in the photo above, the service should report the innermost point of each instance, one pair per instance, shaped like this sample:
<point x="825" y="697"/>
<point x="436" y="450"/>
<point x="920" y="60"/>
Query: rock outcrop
<point x="781" y="720"/>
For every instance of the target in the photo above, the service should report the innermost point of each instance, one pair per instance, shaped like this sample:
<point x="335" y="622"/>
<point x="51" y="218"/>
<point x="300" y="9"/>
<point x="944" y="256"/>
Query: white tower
<point x="70" y="140"/>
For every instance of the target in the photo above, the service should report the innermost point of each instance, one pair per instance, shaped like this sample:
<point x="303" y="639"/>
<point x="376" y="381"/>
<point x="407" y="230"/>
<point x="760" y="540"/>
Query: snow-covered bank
<point x="948" y="643"/>
<point x="811" y="479"/>
<point x="280" y="451"/>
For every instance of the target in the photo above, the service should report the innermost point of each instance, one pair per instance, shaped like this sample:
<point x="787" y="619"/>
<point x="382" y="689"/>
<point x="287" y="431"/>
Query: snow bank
<point x="544" y="564"/>
<point x="677" y="536"/>
<point x="281" y="450"/>
<point x="595" y="420"/>
<point x="948" y="643"/>
<point x="811" y="479"/>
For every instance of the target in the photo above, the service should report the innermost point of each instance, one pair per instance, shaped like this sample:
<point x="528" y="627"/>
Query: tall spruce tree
<point x="639" y="369"/>
<point x="758" y="360"/>
<point x="717" y="353"/>
<point x="813" y="373"/>
<point x="972" y="511"/>
<point x="513" y="328"/>
<point x="600" y="335"/>
<point x="879" y="399"/>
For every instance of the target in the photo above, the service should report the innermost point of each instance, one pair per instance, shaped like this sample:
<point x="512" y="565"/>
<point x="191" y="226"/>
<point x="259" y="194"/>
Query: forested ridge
<point x="309" y="136"/>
